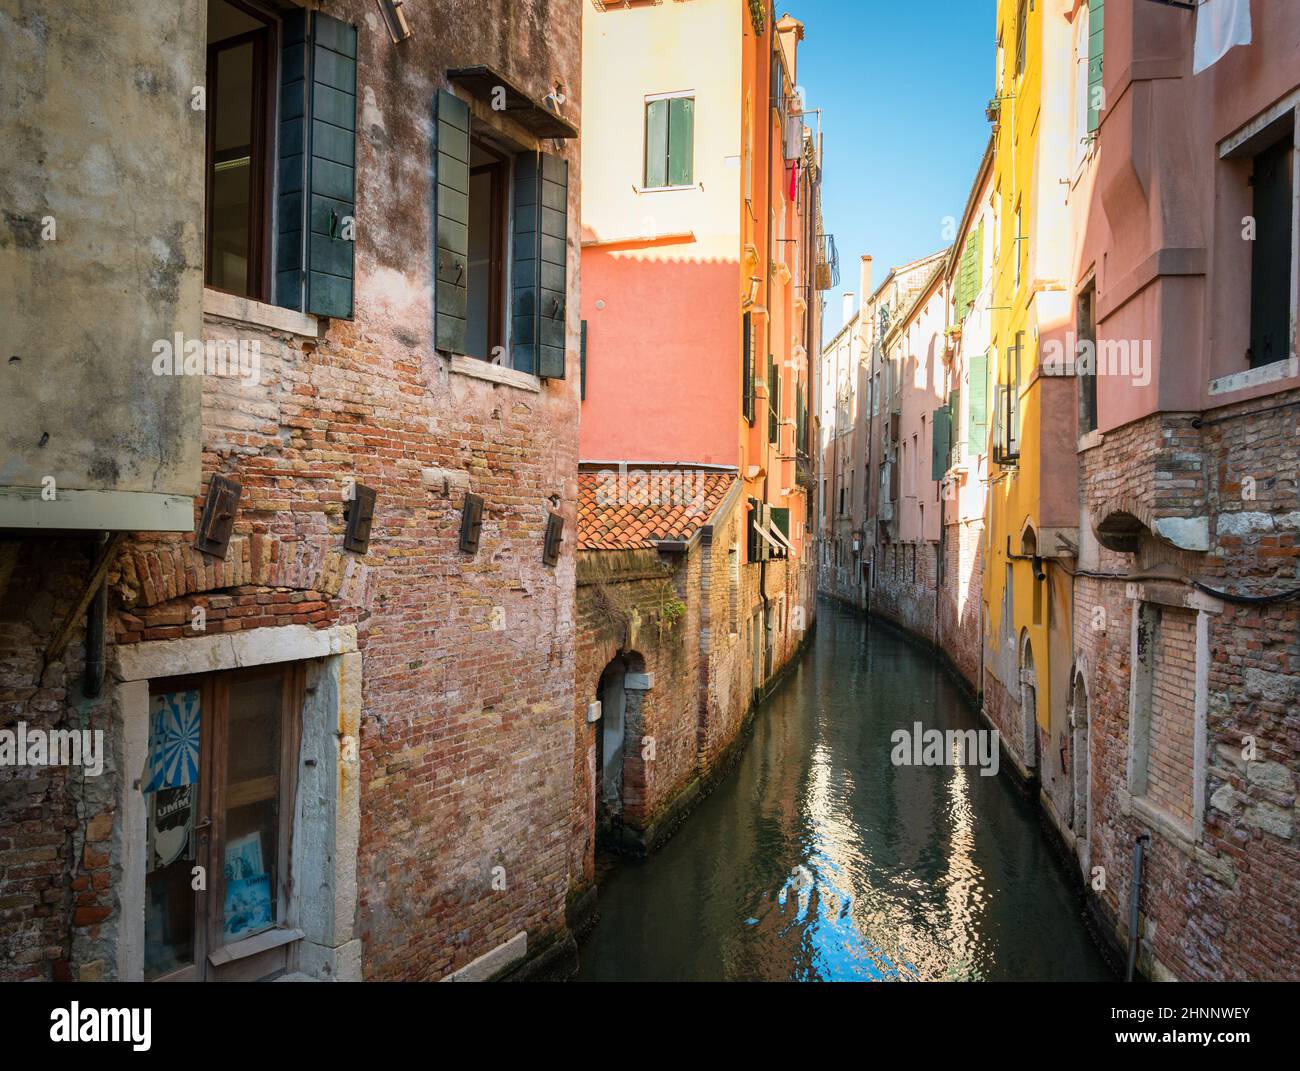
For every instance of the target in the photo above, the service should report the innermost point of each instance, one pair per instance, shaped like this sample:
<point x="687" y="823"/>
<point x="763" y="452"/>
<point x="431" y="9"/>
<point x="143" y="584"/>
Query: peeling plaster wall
<point x="100" y="139"/>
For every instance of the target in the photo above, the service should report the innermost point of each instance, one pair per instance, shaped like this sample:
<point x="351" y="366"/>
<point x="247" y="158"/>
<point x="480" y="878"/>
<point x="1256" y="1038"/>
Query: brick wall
<point x="1216" y="907"/>
<point x="1173" y="700"/>
<point x="466" y="744"/>
<point x="960" y="627"/>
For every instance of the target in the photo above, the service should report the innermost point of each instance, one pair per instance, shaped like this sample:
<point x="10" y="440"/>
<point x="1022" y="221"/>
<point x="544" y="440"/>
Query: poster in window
<point x="248" y="888"/>
<point x="171" y="823"/>
<point x="174" y="738"/>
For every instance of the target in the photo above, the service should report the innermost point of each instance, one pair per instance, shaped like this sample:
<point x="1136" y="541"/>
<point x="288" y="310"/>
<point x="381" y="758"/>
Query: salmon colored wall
<point x="660" y="268"/>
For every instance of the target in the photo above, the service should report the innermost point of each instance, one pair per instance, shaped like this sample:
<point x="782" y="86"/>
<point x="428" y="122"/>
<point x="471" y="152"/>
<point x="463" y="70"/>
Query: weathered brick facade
<point x="1215" y="901"/>
<point x="676" y="627"/>
<point x="466" y="686"/>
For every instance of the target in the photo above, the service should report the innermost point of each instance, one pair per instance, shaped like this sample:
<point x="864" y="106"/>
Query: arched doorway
<point x="1028" y="701"/>
<point x="621" y="689"/>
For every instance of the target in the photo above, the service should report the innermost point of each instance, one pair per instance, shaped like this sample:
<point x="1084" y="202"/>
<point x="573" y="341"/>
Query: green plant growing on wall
<point x="671" y="608"/>
<point x="758" y="14"/>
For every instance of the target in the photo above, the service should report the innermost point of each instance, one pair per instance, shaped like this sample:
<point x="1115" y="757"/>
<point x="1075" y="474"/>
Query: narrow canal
<point x="818" y="859"/>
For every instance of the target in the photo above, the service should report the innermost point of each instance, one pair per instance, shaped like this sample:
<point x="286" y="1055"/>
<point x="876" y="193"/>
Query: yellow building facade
<point x="1032" y="525"/>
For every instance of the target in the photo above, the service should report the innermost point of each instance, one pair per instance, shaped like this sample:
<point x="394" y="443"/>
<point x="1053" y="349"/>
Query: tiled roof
<point x="637" y="508"/>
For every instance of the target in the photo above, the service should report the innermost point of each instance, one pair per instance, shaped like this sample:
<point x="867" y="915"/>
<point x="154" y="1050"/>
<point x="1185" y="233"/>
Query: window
<point x="748" y="345"/>
<point x="1082" y="113"/>
<point x="773" y="400"/>
<point x="1087" y="370"/>
<point x="1018" y="244"/>
<point x="1162" y="737"/>
<point x="1022" y="36"/>
<point x="502" y="247"/>
<point x="219" y="790"/>
<point x="1095" y="21"/>
<point x="489" y="179"/>
<point x="1270" y="270"/>
<point x="669" y="141"/>
<point x="240" y="99"/>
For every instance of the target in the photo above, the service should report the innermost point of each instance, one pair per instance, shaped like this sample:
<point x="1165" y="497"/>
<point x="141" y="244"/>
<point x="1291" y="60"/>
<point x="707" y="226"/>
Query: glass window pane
<point x="252" y="806"/>
<point x="231" y="177"/>
<point x="171" y="791"/>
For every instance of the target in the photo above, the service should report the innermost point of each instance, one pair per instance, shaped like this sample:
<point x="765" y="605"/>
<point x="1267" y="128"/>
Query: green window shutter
<point x="681" y="141"/>
<point x="291" y="167"/>
<point x="540" y="264"/>
<point x="1096" y="37"/>
<point x="451" y="237"/>
<point x="941" y="442"/>
<point x="582" y="364"/>
<point x="316" y="194"/>
<point x="332" y="167"/>
<point x="977" y="263"/>
<point x="773" y="400"/>
<point x="955" y="411"/>
<point x="781" y="520"/>
<point x="978" y="425"/>
<point x="656" y="143"/>
<point x="746" y="385"/>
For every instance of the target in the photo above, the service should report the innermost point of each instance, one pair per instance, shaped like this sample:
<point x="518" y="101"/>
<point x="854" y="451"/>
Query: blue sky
<point x="902" y="85"/>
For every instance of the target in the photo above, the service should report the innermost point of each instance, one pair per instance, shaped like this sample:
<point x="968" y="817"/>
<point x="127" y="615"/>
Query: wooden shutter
<point x="1096" y="38"/>
<point x="977" y="424"/>
<point x="681" y="141"/>
<point x="291" y="163"/>
<point x="316" y="199"/>
<point x="954" y="431"/>
<point x="582" y="364"/>
<point x="656" y="143"/>
<point x="451" y="238"/>
<point x="940" y="442"/>
<point x="540" y="264"/>
<point x="746" y="385"/>
<point x="332" y="167"/>
<point x="773" y="399"/>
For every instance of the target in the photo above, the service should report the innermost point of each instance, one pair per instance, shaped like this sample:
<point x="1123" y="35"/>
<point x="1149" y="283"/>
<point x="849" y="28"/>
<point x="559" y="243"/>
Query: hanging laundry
<point x="794" y="180"/>
<point x="1220" y="25"/>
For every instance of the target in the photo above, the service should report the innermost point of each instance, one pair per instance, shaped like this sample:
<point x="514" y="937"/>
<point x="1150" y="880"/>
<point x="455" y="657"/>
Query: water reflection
<point x="820" y="860"/>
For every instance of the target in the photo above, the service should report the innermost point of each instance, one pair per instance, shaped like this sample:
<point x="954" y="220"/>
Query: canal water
<point x="819" y="859"/>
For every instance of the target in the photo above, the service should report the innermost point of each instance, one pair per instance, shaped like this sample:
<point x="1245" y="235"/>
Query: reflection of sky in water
<point x="818" y="860"/>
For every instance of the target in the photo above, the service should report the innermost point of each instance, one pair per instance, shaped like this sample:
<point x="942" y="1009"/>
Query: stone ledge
<point x="223" y="306"/>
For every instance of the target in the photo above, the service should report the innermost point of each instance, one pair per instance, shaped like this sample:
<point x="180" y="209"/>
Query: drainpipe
<point x="1139" y="844"/>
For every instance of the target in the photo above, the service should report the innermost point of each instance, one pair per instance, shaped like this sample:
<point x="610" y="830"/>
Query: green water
<point x="819" y="859"/>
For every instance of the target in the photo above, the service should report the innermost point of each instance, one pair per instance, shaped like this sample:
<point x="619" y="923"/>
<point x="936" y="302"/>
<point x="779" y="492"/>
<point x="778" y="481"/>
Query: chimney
<point x="865" y="288"/>
<point x="848" y="306"/>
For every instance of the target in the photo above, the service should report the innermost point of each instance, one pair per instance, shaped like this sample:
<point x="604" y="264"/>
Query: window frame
<point x="259" y="280"/>
<point x="209" y="825"/>
<point x="502" y="170"/>
<point x="653" y="98"/>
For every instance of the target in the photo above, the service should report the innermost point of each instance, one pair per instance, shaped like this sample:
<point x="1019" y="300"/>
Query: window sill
<point x="251" y="946"/>
<point x="1255" y="377"/>
<point x="494" y="373"/>
<point x="664" y="189"/>
<point x="219" y="304"/>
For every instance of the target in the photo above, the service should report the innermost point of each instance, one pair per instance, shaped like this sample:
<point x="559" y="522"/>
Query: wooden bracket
<point x="471" y="522"/>
<point x="94" y="582"/>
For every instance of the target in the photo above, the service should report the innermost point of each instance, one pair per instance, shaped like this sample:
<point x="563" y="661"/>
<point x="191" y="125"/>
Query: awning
<point x="779" y="535"/>
<point x="483" y="82"/>
<point x="761" y="530"/>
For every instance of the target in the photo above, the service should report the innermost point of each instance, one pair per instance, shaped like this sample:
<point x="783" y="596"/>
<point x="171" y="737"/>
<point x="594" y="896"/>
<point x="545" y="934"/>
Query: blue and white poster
<point x="174" y="737"/>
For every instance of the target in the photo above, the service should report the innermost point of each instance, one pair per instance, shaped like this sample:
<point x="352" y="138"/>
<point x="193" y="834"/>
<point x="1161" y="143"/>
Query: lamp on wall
<point x="395" y="19"/>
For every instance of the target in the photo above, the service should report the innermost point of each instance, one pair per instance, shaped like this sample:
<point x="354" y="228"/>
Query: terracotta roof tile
<point x="643" y="506"/>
